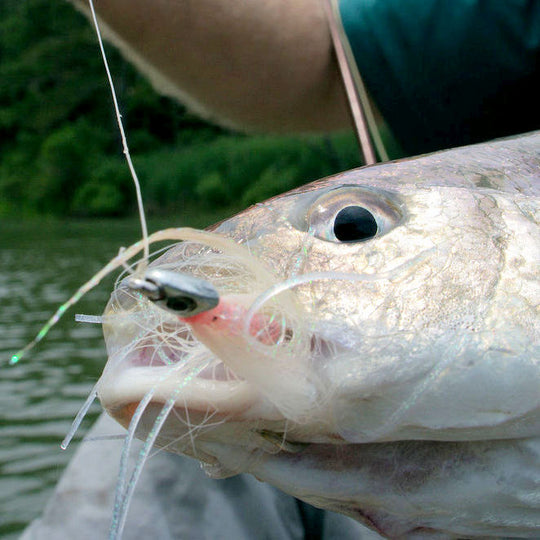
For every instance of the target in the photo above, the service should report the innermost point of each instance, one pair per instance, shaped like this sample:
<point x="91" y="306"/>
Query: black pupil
<point x="354" y="223"/>
<point x="181" y="304"/>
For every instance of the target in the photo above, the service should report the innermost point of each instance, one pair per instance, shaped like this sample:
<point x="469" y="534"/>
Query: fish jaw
<point x="209" y="399"/>
<point x="195" y="370"/>
<point x="206" y="409"/>
<point x="207" y="364"/>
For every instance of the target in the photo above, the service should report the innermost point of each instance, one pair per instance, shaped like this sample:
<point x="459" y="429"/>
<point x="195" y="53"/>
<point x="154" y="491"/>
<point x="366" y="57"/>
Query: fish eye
<point x="349" y="214"/>
<point x="354" y="223"/>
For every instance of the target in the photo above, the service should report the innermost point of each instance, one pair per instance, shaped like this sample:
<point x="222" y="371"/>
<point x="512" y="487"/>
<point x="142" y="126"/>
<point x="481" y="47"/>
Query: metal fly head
<point x="181" y="294"/>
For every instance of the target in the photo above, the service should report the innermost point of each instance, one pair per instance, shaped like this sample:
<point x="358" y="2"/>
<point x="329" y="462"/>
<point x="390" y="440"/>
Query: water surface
<point x="41" y="265"/>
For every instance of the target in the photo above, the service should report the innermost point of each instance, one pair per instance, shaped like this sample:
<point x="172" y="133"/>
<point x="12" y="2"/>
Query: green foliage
<point x="234" y="170"/>
<point x="65" y="156"/>
<point x="212" y="189"/>
<point x="108" y="191"/>
<point x="98" y="200"/>
<point x="59" y="146"/>
<point x="271" y="182"/>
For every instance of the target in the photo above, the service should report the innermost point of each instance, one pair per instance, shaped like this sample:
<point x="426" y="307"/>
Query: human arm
<point x="442" y="72"/>
<point x="252" y="65"/>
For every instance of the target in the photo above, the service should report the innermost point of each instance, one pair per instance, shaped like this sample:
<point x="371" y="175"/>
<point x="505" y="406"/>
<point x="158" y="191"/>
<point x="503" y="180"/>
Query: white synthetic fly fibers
<point x="124" y="492"/>
<point x="279" y="346"/>
<point x="79" y="418"/>
<point x="90" y="319"/>
<point x="120" y="504"/>
<point x="268" y="340"/>
<point x="124" y="488"/>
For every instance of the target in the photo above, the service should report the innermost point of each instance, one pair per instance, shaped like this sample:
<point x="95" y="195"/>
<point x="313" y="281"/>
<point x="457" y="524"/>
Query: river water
<point x="41" y="265"/>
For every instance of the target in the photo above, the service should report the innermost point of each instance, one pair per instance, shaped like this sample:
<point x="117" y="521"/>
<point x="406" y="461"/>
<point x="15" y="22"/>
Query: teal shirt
<point x="449" y="72"/>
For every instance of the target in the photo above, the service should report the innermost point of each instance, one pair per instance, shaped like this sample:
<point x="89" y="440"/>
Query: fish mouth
<point x="214" y="410"/>
<point x="210" y="399"/>
<point x="203" y="381"/>
<point x="244" y="374"/>
<point x="188" y="361"/>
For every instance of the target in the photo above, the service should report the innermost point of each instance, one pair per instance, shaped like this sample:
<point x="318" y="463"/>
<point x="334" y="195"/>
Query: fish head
<point x="386" y="304"/>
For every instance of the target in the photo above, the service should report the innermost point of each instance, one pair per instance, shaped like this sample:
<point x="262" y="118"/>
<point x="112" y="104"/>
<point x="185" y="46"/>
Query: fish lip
<point x="125" y="386"/>
<point x="153" y="366"/>
<point x="194" y="432"/>
<point x="131" y="376"/>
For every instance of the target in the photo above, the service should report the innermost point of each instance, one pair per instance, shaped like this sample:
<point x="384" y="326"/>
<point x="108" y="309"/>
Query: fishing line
<point x="124" y="138"/>
<point x="121" y="258"/>
<point x="183" y="233"/>
<point x="142" y="264"/>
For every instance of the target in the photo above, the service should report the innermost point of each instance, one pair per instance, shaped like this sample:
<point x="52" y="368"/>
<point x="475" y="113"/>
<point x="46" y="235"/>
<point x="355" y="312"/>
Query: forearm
<point x="253" y="64"/>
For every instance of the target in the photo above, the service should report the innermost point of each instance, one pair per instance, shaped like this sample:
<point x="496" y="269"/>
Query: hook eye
<point x="178" y="293"/>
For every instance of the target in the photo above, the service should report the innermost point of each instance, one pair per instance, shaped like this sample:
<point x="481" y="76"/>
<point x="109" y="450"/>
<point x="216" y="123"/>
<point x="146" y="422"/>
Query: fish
<point x="369" y="344"/>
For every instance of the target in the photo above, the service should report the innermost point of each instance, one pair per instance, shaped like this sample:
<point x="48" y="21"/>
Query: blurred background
<point x="60" y="148"/>
<point x="67" y="204"/>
